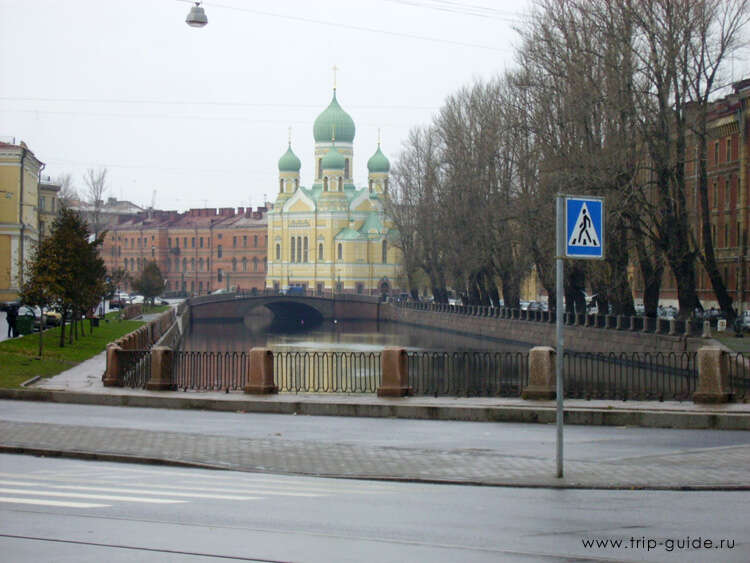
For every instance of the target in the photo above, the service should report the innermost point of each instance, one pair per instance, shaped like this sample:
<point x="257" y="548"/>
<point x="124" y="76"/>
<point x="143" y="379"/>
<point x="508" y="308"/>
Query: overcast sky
<point x="202" y="115"/>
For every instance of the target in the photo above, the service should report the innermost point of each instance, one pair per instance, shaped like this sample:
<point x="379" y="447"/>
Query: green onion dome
<point x="378" y="162"/>
<point x="333" y="160"/>
<point x="289" y="161"/>
<point x="333" y="119"/>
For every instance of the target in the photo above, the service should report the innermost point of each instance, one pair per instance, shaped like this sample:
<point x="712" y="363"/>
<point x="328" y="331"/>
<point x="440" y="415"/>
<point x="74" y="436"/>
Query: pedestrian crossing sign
<point x="584" y="220"/>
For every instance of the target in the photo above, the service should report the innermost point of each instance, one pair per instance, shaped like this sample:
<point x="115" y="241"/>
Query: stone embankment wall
<point x="145" y="336"/>
<point x="580" y="338"/>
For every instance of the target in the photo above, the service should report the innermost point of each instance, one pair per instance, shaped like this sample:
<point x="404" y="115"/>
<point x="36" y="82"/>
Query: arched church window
<point x="278" y="251"/>
<point x="293" y="248"/>
<point x="346" y="169"/>
<point x="341" y="184"/>
<point x="320" y="251"/>
<point x="370" y="186"/>
<point x="296" y="183"/>
<point x="305" y="255"/>
<point x="299" y="249"/>
<point x="385" y="252"/>
<point x="281" y="186"/>
<point x="320" y="168"/>
<point x="341" y="252"/>
<point x="325" y="184"/>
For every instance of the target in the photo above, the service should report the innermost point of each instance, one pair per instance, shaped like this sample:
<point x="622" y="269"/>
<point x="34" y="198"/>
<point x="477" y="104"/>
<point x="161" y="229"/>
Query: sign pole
<point x="560" y="307"/>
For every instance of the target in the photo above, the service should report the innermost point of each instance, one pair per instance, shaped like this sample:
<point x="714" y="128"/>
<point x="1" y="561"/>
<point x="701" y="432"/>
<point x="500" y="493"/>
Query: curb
<point x="550" y="484"/>
<point x="408" y="408"/>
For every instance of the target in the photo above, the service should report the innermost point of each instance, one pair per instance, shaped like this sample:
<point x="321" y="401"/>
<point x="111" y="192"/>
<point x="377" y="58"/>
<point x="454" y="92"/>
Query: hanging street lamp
<point x="197" y="16"/>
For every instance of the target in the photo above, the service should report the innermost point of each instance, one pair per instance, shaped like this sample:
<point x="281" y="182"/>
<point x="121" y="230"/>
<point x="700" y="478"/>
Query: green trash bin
<point x="24" y="324"/>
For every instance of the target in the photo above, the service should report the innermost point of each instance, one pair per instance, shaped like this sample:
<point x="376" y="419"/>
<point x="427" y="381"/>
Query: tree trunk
<point x="63" y="318"/>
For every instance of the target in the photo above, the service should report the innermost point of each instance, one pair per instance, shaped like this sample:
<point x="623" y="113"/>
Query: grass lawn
<point x="18" y="356"/>
<point x="741" y="345"/>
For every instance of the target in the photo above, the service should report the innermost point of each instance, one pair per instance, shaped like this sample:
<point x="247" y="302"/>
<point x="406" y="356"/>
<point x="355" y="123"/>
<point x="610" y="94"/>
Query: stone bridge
<point x="236" y="306"/>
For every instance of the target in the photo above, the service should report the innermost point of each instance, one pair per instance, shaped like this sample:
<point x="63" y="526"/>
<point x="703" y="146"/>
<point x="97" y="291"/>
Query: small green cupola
<point x="378" y="163"/>
<point x="333" y="160"/>
<point x="289" y="161"/>
<point x="334" y="118"/>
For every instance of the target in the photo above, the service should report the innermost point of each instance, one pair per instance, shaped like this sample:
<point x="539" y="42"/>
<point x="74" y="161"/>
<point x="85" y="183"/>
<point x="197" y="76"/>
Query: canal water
<point x="345" y="336"/>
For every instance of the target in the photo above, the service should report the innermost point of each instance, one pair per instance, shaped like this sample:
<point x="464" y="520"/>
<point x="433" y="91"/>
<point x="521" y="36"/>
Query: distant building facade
<point x="19" y="220"/>
<point x="332" y="236"/>
<point x="728" y="200"/>
<point x="197" y="252"/>
<point x="49" y="205"/>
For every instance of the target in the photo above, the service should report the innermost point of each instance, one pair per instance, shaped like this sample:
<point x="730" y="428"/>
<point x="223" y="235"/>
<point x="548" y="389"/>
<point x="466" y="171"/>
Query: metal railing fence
<point x="739" y="377"/>
<point x="135" y="366"/>
<point x="327" y="372"/>
<point x="209" y="371"/>
<point x="646" y="376"/>
<point x="468" y="374"/>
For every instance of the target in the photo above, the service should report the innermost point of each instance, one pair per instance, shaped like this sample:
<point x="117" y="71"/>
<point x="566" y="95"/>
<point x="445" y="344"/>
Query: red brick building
<point x="728" y="199"/>
<point x="197" y="252"/>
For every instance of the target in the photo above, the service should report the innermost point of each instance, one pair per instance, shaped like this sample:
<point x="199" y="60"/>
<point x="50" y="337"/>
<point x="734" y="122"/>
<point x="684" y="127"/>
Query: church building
<point x="332" y="236"/>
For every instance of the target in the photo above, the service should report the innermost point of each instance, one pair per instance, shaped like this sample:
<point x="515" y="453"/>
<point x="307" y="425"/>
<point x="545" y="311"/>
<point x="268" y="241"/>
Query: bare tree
<point x="96" y="183"/>
<point x="68" y="194"/>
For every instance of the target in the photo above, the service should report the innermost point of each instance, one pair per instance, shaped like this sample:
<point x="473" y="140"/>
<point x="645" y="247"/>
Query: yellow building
<point x="333" y="235"/>
<point x="19" y="196"/>
<point x="49" y="204"/>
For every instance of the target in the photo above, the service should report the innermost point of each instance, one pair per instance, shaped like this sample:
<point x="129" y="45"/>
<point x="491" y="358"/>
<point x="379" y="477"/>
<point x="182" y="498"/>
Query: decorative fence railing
<point x="327" y="372"/>
<point x="136" y="367"/>
<point x="209" y="371"/>
<point x="672" y="327"/>
<point x="630" y="376"/>
<point x="739" y="377"/>
<point x="469" y="374"/>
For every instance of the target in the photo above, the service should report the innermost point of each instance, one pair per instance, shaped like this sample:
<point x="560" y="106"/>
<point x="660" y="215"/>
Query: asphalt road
<point x="68" y="510"/>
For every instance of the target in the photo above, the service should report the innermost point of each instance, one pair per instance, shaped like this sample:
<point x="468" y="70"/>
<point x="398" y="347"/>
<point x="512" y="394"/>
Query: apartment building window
<point x="244" y="241"/>
<point x="192" y="242"/>
<point x="42" y="203"/>
<point x="219" y="275"/>
<point x="184" y="264"/>
<point x="726" y="235"/>
<point x="716" y="195"/>
<point x="244" y="264"/>
<point x="234" y="242"/>
<point x="192" y="264"/>
<point x="200" y="264"/>
<point x="255" y="264"/>
<point x="184" y="242"/>
<point x="234" y="264"/>
<point x="169" y="242"/>
<point x="219" y="251"/>
<point x="200" y="242"/>
<point x="177" y="242"/>
<point x="716" y="153"/>
<point x="729" y="149"/>
<point x="255" y="241"/>
<point x="728" y="192"/>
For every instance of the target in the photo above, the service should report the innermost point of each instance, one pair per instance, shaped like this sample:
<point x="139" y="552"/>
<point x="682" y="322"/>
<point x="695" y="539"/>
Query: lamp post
<point x="197" y="16"/>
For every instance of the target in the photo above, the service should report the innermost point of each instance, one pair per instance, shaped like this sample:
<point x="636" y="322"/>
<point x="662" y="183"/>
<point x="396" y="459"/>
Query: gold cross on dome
<point x="290" y="135"/>
<point x="335" y="69"/>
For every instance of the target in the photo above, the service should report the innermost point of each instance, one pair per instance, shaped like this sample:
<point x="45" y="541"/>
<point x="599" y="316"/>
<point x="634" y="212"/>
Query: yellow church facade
<point x="332" y="236"/>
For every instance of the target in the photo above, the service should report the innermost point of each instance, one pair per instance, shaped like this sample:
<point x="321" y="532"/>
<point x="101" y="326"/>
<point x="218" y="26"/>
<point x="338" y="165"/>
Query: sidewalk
<point x="664" y="468"/>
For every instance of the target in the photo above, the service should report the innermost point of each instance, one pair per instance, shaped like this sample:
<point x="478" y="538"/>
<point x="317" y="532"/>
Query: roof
<point x="334" y="122"/>
<point x="349" y="234"/>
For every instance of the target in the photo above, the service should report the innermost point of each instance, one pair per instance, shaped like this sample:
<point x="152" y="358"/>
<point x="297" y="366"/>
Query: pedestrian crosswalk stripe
<point x="82" y="495"/>
<point x="49" y="502"/>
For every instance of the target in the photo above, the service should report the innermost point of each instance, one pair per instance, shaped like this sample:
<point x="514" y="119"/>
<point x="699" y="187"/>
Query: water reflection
<point x="344" y="336"/>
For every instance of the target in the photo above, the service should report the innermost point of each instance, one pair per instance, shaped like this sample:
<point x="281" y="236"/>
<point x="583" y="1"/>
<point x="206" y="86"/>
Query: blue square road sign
<point x="584" y="227"/>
